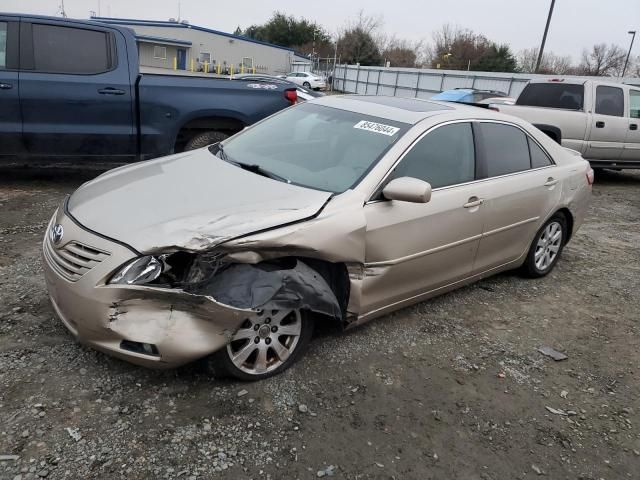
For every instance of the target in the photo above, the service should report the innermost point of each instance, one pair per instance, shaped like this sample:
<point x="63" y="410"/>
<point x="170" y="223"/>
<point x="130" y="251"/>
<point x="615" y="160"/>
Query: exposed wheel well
<point x="569" y="218"/>
<point x="199" y="125"/>
<point x="336" y="275"/>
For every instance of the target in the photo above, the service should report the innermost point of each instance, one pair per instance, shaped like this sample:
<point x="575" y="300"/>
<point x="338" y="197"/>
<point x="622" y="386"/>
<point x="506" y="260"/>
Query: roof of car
<point x="406" y="110"/>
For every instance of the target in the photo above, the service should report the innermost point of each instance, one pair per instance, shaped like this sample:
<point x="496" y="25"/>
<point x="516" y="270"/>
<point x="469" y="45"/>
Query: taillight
<point x="291" y="95"/>
<point x="590" y="176"/>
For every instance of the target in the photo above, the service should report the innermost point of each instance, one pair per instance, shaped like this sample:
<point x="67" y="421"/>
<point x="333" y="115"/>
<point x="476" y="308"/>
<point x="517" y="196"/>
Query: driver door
<point x="411" y="248"/>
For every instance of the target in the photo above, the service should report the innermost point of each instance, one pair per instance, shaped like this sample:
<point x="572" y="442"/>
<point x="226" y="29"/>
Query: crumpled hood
<point x="191" y="201"/>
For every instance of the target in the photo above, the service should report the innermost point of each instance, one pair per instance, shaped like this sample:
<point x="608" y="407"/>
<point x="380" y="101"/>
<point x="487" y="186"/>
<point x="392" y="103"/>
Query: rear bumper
<point x="181" y="327"/>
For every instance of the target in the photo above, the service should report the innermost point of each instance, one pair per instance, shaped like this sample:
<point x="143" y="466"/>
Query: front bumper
<point x="182" y="327"/>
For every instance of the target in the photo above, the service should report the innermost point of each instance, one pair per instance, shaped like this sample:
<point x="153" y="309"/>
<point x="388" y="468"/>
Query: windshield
<point x="314" y="146"/>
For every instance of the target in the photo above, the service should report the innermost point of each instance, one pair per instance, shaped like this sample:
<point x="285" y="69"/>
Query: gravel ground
<point x="453" y="388"/>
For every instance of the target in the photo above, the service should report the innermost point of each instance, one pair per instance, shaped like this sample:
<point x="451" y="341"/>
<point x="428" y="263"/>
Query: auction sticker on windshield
<point x="377" y="128"/>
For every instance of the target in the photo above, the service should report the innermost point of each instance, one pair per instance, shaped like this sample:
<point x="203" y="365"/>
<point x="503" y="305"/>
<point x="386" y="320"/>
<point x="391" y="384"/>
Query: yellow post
<point x="218" y="69"/>
<point x="254" y="70"/>
<point x="175" y="63"/>
<point x="206" y="67"/>
<point x="192" y="64"/>
<point x="242" y="68"/>
<point x="231" y="70"/>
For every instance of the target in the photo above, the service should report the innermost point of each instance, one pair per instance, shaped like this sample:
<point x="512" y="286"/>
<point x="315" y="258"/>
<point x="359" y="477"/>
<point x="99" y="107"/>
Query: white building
<point x="181" y="46"/>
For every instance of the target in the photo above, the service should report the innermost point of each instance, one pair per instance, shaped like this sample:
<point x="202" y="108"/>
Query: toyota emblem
<point x="56" y="233"/>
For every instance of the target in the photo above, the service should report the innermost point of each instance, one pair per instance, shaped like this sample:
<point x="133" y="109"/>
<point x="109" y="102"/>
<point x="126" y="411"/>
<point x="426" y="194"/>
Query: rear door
<point x="631" y="151"/>
<point x="608" y="124"/>
<point x="10" y="118"/>
<point x="76" y="96"/>
<point x="521" y="189"/>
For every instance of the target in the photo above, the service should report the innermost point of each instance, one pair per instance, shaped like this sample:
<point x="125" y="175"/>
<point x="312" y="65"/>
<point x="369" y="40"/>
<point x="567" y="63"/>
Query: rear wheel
<point x="264" y="345"/>
<point x="203" y="139"/>
<point x="306" y="85"/>
<point x="546" y="247"/>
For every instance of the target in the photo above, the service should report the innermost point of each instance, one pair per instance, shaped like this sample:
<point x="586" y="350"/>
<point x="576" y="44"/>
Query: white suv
<point x="306" y="79"/>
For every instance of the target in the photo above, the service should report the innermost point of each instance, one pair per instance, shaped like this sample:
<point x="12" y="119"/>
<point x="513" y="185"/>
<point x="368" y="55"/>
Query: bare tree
<point x="400" y="52"/>
<point x="603" y="60"/>
<point x="550" y="64"/>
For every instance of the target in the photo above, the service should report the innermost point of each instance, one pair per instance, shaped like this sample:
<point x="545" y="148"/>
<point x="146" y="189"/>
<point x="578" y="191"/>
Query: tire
<point x="257" y="335"/>
<point x="203" y="139"/>
<point x="546" y="247"/>
<point x="306" y="85"/>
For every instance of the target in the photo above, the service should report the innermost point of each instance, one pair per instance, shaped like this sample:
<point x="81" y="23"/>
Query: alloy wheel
<point x="264" y="342"/>
<point x="548" y="246"/>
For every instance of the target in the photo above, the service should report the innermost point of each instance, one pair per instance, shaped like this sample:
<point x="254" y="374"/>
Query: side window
<point x="539" y="159"/>
<point x="70" y="50"/>
<point x="160" y="52"/>
<point x="444" y="157"/>
<point x="505" y="149"/>
<point x="3" y="45"/>
<point x="634" y="103"/>
<point x="609" y="101"/>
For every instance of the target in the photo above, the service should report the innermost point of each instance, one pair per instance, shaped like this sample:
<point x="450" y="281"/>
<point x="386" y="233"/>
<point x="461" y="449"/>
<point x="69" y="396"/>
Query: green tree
<point x="288" y="31"/>
<point x="358" y="46"/>
<point x="238" y="31"/>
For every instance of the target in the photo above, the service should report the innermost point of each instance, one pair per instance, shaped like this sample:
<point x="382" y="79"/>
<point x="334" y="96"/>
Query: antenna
<point x="179" y="11"/>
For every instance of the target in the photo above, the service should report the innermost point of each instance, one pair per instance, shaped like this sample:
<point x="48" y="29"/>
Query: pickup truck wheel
<point x="204" y="138"/>
<point x="264" y="345"/>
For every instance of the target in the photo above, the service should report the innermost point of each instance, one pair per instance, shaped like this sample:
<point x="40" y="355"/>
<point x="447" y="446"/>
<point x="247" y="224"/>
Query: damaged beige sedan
<point x="340" y="209"/>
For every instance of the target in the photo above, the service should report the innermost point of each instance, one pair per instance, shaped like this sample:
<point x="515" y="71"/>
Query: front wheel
<point x="546" y="247"/>
<point x="264" y="345"/>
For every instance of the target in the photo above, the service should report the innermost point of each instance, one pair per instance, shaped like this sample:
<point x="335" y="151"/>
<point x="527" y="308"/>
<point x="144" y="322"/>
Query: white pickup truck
<point x="598" y="119"/>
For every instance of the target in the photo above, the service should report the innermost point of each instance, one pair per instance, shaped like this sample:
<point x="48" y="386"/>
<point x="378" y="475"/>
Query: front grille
<point x="74" y="259"/>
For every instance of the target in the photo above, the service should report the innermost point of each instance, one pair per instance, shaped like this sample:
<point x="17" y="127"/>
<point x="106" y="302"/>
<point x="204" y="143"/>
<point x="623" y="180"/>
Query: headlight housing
<point x="138" y="271"/>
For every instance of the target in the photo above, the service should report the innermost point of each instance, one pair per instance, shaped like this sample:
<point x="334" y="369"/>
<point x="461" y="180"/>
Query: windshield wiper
<point x="255" y="168"/>
<point x="250" y="167"/>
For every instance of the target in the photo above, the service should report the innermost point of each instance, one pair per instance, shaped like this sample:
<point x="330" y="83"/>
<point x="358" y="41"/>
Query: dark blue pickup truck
<point x="73" y="89"/>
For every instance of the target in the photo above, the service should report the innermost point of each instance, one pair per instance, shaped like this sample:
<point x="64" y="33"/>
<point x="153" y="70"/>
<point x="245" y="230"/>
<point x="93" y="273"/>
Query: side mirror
<point x="407" y="189"/>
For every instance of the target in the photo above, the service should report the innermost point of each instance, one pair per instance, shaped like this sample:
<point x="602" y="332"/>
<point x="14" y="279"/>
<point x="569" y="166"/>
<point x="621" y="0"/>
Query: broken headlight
<point x="138" y="271"/>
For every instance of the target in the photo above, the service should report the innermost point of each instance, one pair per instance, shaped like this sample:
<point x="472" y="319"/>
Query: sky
<point x="576" y="24"/>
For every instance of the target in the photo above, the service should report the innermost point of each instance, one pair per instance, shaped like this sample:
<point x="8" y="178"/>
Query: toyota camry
<point x="340" y="210"/>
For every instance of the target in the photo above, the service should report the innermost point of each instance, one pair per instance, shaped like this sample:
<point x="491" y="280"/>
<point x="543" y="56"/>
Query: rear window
<point x="552" y="95"/>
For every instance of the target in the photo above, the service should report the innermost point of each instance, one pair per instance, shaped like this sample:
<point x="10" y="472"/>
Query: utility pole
<point x="544" y="37"/>
<point x="626" y="62"/>
<point x="62" y="12"/>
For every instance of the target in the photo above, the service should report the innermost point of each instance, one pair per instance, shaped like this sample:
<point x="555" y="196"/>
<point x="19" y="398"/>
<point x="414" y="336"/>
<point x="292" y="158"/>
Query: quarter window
<point x="3" y="45"/>
<point x="505" y="149"/>
<point x="445" y="156"/>
<point x="539" y="159"/>
<point x="70" y="50"/>
<point x="634" y="103"/>
<point x="609" y="101"/>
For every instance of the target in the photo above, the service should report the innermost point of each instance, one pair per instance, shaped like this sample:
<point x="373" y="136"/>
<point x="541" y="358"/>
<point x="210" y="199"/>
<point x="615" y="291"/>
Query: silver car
<point x="339" y="209"/>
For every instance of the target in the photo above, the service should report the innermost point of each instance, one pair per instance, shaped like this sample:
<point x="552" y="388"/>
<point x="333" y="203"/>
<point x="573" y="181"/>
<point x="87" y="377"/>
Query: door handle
<point x="599" y="124"/>
<point x="474" y="202"/>
<point x="110" y="91"/>
<point x="6" y="86"/>
<point x="550" y="182"/>
<point x="633" y="126"/>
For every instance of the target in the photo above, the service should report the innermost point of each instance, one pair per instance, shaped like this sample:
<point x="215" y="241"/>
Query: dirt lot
<point x="453" y="388"/>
